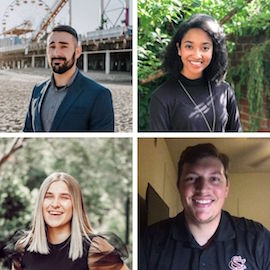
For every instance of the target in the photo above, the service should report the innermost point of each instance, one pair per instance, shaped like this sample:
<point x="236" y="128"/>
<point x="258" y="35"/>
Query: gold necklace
<point x="197" y="107"/>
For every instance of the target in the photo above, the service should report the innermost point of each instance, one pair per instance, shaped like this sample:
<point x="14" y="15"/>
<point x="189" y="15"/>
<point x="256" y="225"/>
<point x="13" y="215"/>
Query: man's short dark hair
<point x="194" y="153"/>
<point x="67" y="29"/>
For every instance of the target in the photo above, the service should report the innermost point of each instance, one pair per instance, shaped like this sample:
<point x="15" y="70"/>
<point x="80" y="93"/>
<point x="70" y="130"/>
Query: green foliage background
<point x="158" y="21"/>
<point x="103" y="166"/>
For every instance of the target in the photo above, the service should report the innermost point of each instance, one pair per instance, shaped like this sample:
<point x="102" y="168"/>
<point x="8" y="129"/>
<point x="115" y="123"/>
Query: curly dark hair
<point x="194" y="153"/>
<point x="216" y="70"/>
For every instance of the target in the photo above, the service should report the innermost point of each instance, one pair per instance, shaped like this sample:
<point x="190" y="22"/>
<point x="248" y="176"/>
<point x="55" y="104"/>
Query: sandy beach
<point x="16" y="88"/>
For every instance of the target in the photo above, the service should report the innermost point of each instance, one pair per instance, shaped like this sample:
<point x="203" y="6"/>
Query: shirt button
<point x="203" y="264"/>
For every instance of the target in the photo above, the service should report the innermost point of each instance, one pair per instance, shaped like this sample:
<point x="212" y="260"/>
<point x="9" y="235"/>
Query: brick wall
<point x="264" y="120"/>
<point x="243" y="45"/>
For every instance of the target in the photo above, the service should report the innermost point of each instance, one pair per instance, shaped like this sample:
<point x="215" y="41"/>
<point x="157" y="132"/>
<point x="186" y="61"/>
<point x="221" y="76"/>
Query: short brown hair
<point x="67" y="29"/>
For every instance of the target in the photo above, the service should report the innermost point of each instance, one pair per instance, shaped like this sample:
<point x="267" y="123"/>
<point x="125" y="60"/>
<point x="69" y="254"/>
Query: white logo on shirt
<point x="237" y="263"/>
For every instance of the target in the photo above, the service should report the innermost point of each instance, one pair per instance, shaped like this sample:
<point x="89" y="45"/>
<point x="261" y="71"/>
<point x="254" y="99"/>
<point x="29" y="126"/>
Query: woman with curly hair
<point x="61" y="236"/>
<point x="195" y="97"/>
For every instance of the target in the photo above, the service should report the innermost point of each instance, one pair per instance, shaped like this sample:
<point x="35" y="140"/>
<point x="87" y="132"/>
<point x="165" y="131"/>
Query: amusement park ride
<point x="50" y="14"/>
<point x="26" y="26"/>
<point x="108" y="48"/>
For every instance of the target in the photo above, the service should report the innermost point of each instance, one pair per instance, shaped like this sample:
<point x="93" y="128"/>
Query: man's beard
<point x="62" y="68"/>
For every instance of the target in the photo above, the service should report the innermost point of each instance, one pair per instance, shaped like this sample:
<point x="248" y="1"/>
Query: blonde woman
<point x="61" y="236"/>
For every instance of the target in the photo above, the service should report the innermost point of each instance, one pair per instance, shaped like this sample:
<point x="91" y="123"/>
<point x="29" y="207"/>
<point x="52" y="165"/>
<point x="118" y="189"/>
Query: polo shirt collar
<point x="224" y="232"/>
<point x="180" y="231"/>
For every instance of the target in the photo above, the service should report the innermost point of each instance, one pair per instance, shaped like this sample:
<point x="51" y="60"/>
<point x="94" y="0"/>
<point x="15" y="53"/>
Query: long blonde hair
<point x="36" y="238"/>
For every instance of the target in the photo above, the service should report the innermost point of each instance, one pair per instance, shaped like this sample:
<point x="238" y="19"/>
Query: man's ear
<point x="78" y="51"/>
<point x="227" y="187"/>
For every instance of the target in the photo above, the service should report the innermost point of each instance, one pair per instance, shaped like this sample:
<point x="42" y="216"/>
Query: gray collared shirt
<point x="53" y="98"/>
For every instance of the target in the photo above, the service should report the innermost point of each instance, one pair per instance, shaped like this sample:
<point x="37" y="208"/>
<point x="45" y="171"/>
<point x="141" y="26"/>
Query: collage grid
<point x="128" y="177"/>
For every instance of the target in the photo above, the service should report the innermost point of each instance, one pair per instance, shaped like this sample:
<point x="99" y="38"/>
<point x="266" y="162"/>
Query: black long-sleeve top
<point x="172" y="110"/>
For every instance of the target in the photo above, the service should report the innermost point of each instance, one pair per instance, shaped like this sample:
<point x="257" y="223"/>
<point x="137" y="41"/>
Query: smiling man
<point x="204" y="236"/>
<point x="68" y="101"/>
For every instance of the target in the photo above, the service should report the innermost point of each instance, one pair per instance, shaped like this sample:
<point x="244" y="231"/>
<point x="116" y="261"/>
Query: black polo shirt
<point x="238" y="244"/>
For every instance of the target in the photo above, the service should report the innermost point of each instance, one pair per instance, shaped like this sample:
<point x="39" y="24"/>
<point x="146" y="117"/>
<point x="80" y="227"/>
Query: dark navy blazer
<point x="87" y="106"/>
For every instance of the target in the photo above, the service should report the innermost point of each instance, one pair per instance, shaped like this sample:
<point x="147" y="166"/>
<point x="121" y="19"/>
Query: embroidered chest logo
<point x="237" y="263"/>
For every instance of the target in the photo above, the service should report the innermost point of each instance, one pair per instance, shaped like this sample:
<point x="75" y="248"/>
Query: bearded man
<point x="68" y="101"/>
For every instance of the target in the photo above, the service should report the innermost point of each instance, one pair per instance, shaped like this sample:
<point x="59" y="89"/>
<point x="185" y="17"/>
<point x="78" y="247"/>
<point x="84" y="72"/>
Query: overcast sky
<point x="86" y="14"/>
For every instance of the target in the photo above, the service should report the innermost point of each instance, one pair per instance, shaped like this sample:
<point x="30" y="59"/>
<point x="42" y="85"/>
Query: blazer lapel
<point x="38" y="126"/>
<point x="73" y="93"/>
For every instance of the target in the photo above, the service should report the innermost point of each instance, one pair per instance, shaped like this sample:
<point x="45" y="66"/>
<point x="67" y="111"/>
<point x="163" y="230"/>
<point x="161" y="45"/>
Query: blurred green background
<point x="103" y="167"/>
<point x="247" y="27"/>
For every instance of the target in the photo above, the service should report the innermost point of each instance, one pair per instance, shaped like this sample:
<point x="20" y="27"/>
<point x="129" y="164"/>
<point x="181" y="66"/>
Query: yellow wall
<point x="157" y="168"/>
<point x="249" y="197"/>
<point x="249" y="192"/>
